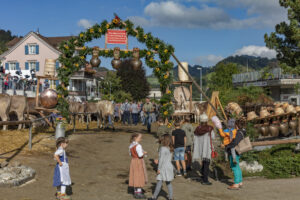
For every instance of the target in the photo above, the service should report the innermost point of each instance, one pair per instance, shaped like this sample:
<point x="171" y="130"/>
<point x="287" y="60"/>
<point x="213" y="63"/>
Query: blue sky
<point x="202" y="31"/>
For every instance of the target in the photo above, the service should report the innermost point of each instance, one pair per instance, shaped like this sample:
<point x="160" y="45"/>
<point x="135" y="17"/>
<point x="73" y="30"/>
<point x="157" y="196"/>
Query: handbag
<point x="244" y="145"/>
<point x="214" y="154"/>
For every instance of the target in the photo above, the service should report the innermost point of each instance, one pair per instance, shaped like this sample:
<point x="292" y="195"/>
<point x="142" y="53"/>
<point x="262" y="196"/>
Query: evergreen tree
<point x="133" y="81"/>
<point x="286" y="38"/>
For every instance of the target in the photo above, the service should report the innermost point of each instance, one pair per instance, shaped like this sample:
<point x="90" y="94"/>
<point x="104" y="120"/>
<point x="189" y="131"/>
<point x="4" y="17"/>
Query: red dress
<point x="137" y="174"/>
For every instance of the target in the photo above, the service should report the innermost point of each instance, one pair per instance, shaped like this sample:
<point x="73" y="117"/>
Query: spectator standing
<point x="135" y="113"/>
<point x="148" y="111"/>
<point x="126" y="112"/>
<point x="188" y="128"/>
<point x="179" y="141"/>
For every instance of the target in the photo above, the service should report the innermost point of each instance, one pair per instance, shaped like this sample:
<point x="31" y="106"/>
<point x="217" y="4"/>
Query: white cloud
<point x="208" y="60"/>
<point x="259" y="14"/>
<point x="258" y="51"/>
<point x="84" y="23"/>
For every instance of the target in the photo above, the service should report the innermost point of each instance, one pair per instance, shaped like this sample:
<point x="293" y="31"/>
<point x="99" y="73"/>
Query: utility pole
<point x="200" y="68"/>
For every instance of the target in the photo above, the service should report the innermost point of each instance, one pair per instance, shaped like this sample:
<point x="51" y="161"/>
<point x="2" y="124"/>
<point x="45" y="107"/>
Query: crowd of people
<point x="179" y="147"/>
<point x="132" y="113"/>
<point x="183" y="145"/>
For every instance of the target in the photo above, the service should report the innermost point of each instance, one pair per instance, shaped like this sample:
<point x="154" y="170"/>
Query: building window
<point x="32" y="65"/>
<point x="32" y="49"/>
<point x="12" y="66"/>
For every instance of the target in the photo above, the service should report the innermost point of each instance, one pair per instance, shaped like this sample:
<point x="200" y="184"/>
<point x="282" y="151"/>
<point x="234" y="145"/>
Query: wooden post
<point x="30" y="136"/>
<point x="199" y="88"/>
<point x="275" y="142"/>
<point x="191" y="97"/>
<point x="37" y="92"/>
<point x="87" y="123"/>
<point x="74" y="123"/>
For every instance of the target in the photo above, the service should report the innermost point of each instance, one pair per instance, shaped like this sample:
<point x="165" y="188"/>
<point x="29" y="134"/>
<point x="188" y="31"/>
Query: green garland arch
<point x="71" y="63"/>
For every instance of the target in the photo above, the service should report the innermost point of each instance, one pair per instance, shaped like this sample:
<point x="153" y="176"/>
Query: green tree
<point x="133" y="81"/>
<point x="5" y="36"/>
<point x="221" y="78"/>
<point x="286" y="38"/>
<point x="111" y="88"/>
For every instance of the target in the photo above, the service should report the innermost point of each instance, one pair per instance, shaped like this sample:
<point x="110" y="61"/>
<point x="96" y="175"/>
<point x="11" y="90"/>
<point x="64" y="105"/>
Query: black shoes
<point x="206" y="183"/>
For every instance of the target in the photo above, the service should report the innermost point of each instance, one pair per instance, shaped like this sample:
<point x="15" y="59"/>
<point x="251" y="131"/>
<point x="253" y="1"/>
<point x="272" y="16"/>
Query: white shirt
<point x="138" y="149"/>
<point x="134" y="108"/>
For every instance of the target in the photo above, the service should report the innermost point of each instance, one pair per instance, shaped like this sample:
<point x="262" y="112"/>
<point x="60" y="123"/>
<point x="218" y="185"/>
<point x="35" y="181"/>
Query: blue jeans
<point x="237" y="172"/>
<point x="126" y="117"/>
<point x="135" y="118"/>
<point x="149" y="122"/>
<point x="179" y="153"/>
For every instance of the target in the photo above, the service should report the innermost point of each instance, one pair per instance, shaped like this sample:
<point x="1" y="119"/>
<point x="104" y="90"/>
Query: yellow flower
<point x="166" y="76"/>
<point x="164" y="104"/>
<point x="157" y="69"/>
<point x="91" y="30"/>
<point x="166" y="50"/>
<point x="83" y="48"/>
<point x="169" y="92"/>
<point x="145" y="36"/>
<point x="166" y="113"/>
<point x="100" y="30"/>
<point x="148" y="53"/>
<point x="151" y="59"/>
<point x="64" y="88"/>
<point x="64" y="67"/>
<point x="156" y="61"/>
<point x="167" y="62"/>
<point x="126" y="51"/>
<point x="106" y="51"/>
<point x="81" y="35"/>
<point x="156" y="46"/>
<point x="59" y="96"/>
<point x="82" y="57"/>
<point x="107" y="25"/>
<point x="76" y="65"/>
<point x="66" y="46"/>
<point x="126" y="29"/>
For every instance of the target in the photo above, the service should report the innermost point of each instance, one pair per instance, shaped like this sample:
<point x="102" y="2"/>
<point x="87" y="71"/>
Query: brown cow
<point x="105" y="110"/>
<point x="12" y="104"/>
<point x="76" y="107"/>
<point x="4" y="108"/>
<point x="19" y="106"/>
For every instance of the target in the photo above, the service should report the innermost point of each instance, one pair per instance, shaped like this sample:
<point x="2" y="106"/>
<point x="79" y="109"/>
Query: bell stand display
<point x="181" y="83"/>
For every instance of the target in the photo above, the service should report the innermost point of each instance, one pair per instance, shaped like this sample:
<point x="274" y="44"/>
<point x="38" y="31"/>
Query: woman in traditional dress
<point x="61" y="178"/>
<point x="137" y="174"/>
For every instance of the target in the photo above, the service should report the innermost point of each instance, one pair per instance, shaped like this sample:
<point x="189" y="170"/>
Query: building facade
<point x="280" y="85"/>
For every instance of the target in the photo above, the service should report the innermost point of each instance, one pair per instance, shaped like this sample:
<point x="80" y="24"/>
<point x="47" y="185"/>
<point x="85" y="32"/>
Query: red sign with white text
<point x="116" y="36"/>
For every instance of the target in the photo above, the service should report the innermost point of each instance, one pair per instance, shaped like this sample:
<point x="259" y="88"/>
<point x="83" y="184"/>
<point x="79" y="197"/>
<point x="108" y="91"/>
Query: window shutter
<point x="17" y="66"/>
<point x="57" y="83"/>
<point x="37" y="49"/>
<point x="6" y="66"/>
<point x="37" y="66"/>
<point x="26" y="49"/>
<point x="57" y="65"/>
<point x="26" y="66"/>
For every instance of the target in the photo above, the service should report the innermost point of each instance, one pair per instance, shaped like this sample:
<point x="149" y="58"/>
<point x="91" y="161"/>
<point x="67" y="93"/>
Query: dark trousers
<point x="135" y="118"/>
<point x="126" y="117"/>
<point x="205" y="170"/>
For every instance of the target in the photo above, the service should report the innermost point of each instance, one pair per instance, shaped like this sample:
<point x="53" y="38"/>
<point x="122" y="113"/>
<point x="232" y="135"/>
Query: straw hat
<point x="297" y="108"/>
<point x="251" y="115"/>
<point x="277" y="104"/>
<point x="203" y="118"/>
<point x="285" y="105"/>
<point x="279" y="111"/>
<point x="264" y="113"/>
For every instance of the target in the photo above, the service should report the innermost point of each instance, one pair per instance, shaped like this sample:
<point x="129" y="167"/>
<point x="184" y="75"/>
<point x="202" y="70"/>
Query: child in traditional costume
<point x="61" y="178"/>
<point x="137" y="174"/>
<point x="165" y="171"/>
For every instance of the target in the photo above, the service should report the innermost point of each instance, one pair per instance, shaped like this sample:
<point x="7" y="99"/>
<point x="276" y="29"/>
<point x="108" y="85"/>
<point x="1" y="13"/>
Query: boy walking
<point x="179" y="141"/>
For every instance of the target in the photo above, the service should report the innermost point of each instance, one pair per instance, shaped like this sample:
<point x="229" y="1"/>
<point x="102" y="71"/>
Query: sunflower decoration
<point x="116" y="20"/>
<point x="166" y="113"/>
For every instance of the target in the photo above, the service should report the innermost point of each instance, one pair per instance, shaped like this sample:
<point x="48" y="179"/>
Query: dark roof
<point x="53" y="41"/>
<point x="100" y="74"/>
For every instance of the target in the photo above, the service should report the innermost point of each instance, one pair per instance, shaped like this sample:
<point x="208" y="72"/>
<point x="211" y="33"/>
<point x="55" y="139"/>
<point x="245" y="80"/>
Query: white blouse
<point x="138" y="148"/>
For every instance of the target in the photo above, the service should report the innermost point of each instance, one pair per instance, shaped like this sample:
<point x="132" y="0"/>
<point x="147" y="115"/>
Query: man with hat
<point x="148" y="110"/>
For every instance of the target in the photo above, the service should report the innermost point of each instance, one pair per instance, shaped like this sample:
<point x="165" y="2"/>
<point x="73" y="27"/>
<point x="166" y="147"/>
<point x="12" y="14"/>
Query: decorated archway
<point x="70" y="61"/>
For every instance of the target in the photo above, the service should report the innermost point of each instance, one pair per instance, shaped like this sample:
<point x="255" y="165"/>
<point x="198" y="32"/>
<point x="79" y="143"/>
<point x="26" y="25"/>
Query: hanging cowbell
<point x="95" y="61"/>
<point x="116" y="62"/>
<point x="135" y="61"/>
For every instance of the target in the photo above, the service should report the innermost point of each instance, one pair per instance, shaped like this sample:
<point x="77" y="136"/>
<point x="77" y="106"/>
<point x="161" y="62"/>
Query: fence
<point x="30" y="122"/>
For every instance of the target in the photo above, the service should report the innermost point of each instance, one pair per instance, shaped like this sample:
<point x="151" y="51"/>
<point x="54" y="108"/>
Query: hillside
<point x="5" y="36"/>
<point x="254" y="63"/>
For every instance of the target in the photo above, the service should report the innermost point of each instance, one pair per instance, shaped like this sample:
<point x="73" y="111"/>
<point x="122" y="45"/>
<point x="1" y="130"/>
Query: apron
<point x="65" y="172"/>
